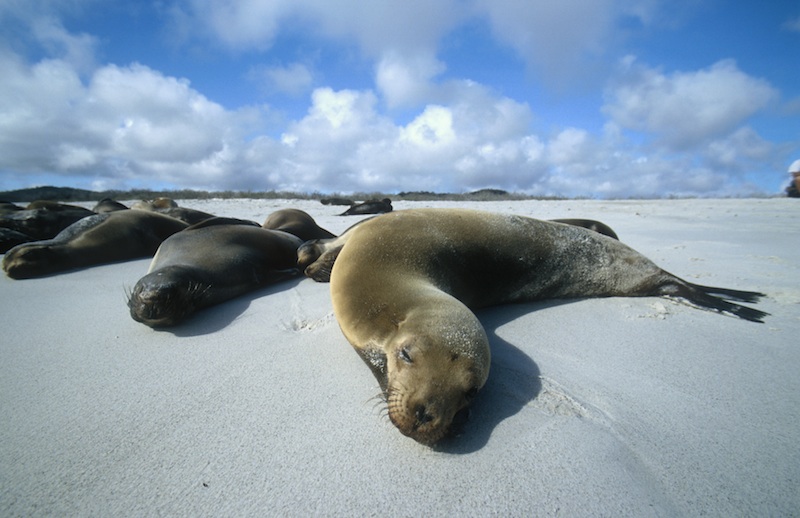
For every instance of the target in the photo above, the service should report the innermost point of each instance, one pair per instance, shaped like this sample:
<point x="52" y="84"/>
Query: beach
<point x="260" y="407"/>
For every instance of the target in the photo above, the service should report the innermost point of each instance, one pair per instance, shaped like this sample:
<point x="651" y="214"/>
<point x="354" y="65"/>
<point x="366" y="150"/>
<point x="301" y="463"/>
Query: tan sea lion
<point x="158" y="203"/>
<point x="298" y="223"/>
<point x="404" y="286"/>
<point x="315" y="258"/>
<point x="108" y="205"/>
<point x="209" y="263"/>
<point x="97" y="239"/>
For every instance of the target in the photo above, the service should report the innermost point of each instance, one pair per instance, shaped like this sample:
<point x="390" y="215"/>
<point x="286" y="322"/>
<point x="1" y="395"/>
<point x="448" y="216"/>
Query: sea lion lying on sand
<point x="404" y="286"/>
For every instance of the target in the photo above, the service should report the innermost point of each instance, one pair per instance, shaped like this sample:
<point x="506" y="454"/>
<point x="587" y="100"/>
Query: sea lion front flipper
<point x="320" y="270"/>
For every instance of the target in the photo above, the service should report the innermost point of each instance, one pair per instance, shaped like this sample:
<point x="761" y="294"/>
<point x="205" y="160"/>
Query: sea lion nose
<point x="420" y="412"/>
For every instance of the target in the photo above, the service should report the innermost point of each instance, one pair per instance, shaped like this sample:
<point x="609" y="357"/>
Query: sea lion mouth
<point x="422" y="422"/>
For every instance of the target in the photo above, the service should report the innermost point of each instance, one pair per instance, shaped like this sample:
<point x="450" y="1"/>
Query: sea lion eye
<point x="405" y="355"/>
<point x="471" y="393"/>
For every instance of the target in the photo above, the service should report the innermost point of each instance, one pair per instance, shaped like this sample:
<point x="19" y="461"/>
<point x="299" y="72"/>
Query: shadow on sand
<point x="513" y="380"/>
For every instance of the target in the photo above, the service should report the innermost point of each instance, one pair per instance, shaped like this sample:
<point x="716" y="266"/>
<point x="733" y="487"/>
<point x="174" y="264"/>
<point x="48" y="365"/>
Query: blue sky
<point x="592" y="98"/>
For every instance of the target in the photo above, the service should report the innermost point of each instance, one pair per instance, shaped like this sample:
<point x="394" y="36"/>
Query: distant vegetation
<point x="68" y="194"/>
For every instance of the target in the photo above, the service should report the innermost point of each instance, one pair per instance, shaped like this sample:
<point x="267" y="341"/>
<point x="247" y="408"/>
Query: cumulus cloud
<point x="77" y="50"/>
<point x="686" y="109"/>
<point x="551" y="36"/>
<point x="134" y="126"/>
<point x="295" y="79"/>
<point x="344" y="141"/>
<point x="377" y="26"/>
<point x="126" y="125"/>
<point x="407" y="80"/>
<point x="125" y="121"/>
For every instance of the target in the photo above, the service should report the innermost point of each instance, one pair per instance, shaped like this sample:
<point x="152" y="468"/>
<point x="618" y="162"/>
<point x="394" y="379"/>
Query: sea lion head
<point x="165" y="297"/>
<point x="434" y="371"/>
<point x="30" y="260"/>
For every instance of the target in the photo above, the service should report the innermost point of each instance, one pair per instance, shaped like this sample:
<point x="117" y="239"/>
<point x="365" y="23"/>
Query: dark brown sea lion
<point x="169" y="207"/>
<point x="97" y="239"/>
<point x="52" y="205"/>
<point x="404" y="286"/>
<point x="597" y="226"/>
<point x="11" y="238"/>
<point x="336" y="201"/>
<point x="7" y="207"/>
<point x="190" y="216"/>
<point x="369" y="207"/>
<point x="43" y="223"/>
<point x="209" y="263"/>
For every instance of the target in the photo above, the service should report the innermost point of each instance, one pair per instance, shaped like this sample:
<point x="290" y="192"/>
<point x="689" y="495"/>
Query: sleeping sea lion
<point x="404" y="286"/>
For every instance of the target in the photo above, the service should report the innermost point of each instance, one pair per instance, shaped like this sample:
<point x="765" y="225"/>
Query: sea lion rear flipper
<point x="718" y="299"/>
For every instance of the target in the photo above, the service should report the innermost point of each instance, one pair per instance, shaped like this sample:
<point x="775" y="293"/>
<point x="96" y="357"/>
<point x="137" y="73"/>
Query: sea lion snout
<point x="159" y="300"/>
<point x="427" y="421"/>
<point x="419" y="421"/>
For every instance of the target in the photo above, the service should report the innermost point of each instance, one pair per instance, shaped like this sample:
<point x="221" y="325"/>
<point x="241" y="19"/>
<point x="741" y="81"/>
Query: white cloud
<point x="407" y="80"/>
<point x="123" y="126"/>
<point x="431" y="130"/>
<point x="561" y="40"/>
<point x="686" y="109"/>
<point x="295" y="79"/>
<point x="133" y="126"/>
<point x="125" y="121"/>
<point x="792" y="24"/>
<point x="239" y="24"/>
<point x="378" y="26"/>
<point x="77" y="50"/>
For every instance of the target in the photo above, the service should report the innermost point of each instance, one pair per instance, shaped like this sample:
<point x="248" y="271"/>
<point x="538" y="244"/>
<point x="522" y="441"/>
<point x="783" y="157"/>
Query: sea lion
<point x="43" y="223"/>
<point x="209" y="263"/>
<point x="169" y="207"/>
<point x="158" y="203"/>
<point x="108" y="205"/>
<point x="97" y="239"/>
<point x="316" y="257"/>
<point x="404" y="286"/>
<point x="11" y="238"/>
<point x="369" y="207"/>
<point x="190" y="216"/>
<point x="8" y="207"/>
<point x="52" y="205"/>
<point x="336" y="201"/>
<point x="597" y="226"/>
<point x="298" y="223"/>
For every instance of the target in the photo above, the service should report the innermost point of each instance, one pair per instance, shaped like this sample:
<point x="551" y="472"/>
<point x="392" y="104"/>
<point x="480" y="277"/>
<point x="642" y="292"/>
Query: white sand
<point x="604" y="407"/>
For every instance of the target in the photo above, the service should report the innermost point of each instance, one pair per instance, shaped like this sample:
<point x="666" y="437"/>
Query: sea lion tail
<point x="721" y="300"/>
